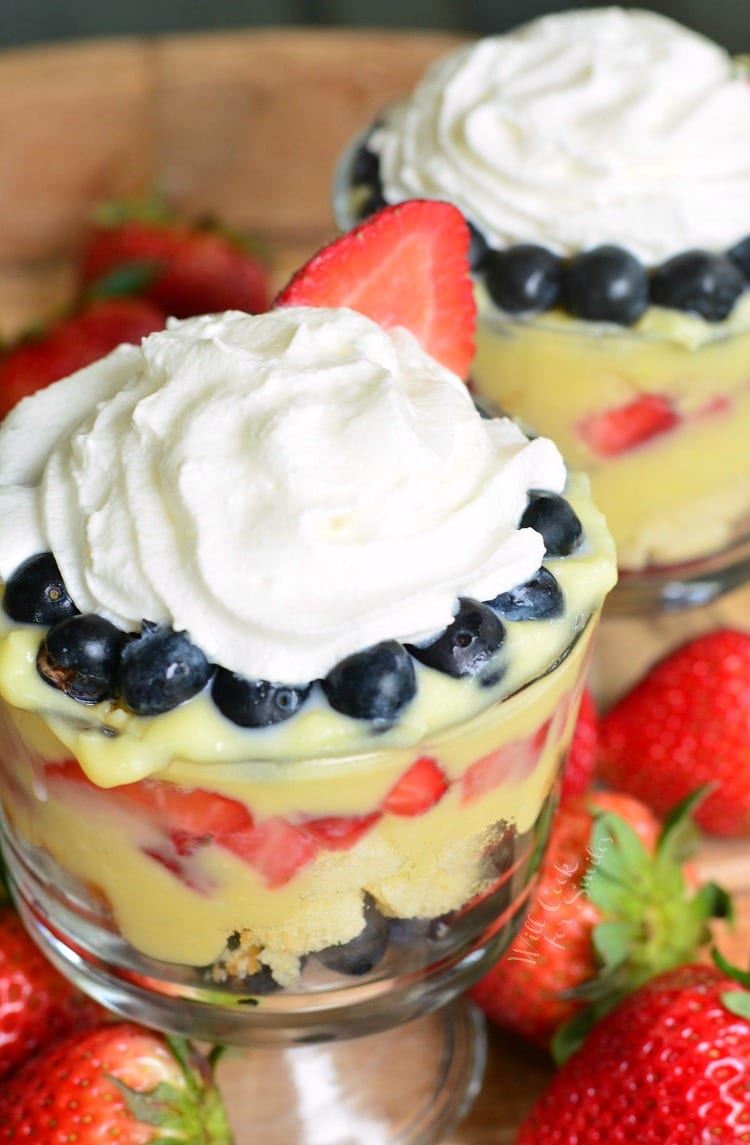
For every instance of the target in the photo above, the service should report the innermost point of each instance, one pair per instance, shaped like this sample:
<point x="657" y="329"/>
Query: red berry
<point x="406" y="266"/>
<point x="275" y="848"/>
<point x="599" y="924"/>
<point x="581" y="762"/>
<point x="418" y="789"/>
<point x="687" y="723"/>
<point x="669" y="1066"/>
<point x="184" y="269"/>
<point x="619" y="429"/>
<point x="115" y="1083"/>
<point x="72" y="343"/>
<point x="37" y="1005"/>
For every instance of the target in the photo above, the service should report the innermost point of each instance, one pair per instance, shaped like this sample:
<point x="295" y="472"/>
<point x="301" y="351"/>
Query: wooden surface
<point x="248" y="126"/>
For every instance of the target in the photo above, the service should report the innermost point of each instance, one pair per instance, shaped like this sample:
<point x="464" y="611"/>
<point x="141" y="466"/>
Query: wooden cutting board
<point x="248" y="127"/>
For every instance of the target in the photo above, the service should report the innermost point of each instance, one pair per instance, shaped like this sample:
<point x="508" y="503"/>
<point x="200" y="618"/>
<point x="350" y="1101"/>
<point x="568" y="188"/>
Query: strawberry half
<point x="406" y="266"/>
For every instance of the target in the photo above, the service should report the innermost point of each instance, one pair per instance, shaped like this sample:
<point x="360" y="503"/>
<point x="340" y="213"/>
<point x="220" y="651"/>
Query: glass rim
<point x="265" y="764"/>
<point x="571" y="327"/>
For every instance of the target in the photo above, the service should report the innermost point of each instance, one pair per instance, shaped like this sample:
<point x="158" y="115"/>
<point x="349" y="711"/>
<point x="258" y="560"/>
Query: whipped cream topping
<point x="581" y="128"/>
<point x="287" y="488"/>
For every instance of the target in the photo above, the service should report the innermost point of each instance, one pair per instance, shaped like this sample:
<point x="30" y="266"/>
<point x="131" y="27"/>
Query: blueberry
<point x="159" y="670"/>
<point x="372" y="204"/>
<point x="374" y="684"/>
<point x="467" y="645"/>
<point x="361" y="954"/>
<point x="606" y="284"/>
<point x="556" y="520"/>
<point x="524" y="279"/>
<point x="35" y="592"/>
<point x="698" y="282"/>
<point x="365" y="167"/>
<point x="740" y="256"/>
<point x="256" y="703"/>
<point x="540" y="598"/>
<point x="479" y="248"/>
<point x="80" y="656"/>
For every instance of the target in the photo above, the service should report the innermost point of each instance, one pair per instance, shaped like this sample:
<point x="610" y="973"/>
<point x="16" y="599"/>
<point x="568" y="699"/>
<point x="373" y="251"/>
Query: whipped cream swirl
<point x="582" y="128"/>
<point x="287" y="488"/>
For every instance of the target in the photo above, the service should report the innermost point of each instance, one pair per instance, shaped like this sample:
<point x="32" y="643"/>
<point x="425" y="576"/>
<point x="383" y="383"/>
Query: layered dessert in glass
<point x="602" y="158"/>
<point x="292" y="641"/>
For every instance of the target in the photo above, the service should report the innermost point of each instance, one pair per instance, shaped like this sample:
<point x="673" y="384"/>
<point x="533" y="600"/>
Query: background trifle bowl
<point x="390" y="912"/>
<point x="678" y="502"/>
<point x="614" y="300"/>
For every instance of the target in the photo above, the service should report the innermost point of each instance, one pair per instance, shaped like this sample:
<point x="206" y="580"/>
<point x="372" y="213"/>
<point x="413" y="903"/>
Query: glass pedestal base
<point x="405" y="1086"/>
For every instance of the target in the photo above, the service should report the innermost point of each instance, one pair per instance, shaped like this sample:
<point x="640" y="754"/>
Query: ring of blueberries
<point x="152" y="671"/>
<point x="604" y="284"/>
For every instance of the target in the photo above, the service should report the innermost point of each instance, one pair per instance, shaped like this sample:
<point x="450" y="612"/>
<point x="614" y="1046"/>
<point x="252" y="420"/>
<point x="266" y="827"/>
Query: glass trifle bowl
<point x="602" y="160"/>
<point x="292" y="646"/>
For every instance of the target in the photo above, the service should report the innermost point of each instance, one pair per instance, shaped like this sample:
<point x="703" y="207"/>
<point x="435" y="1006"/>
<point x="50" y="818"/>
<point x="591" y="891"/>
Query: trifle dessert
<point x="292" y="643"/>
<point x="602" y="159"/>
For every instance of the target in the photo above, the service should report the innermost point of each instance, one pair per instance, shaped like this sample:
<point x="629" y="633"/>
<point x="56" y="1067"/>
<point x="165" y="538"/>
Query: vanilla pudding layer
<point x="500" y="768"/>
<point x="78" y="784"/>
<point x="683" y="493"/>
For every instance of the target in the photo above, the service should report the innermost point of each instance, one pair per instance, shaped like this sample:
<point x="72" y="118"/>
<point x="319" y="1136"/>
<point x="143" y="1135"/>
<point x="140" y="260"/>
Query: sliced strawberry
<point x="418" y="789"/>
<point x="187" y="816"/>
<point x="71" y="343"/>
<point x="406" y="266"/>
<point x="512" y="761"/>
<point x="187" y="813"/>
<point x="339" y="832"/>
<point x="275" y="848"/>
<point x="622" y="428"/>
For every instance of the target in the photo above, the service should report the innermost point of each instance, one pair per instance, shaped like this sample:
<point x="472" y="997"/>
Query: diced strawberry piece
<point x="418" y="789"/>
<point x="180" y="870"/>
<point x="275" y="848"/>
<point x="189" y="812"/>
<point x="512" y="762"/>
<point x="73" y="342"/>
<point x="188" y="816"/>
<point x="622" y="428"/>
<point x="405" y="266"/>
<point x="339" y="832"/>
<point x="485" y="774"/>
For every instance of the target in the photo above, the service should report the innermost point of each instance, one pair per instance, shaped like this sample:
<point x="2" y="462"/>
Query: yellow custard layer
<point x="65" y="769"/>
<point x="680" y="495"/>
<point x="418" y="866"/>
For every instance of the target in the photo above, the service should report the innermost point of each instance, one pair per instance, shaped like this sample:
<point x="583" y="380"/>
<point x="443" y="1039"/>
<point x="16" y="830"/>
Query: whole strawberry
<point x="687" y="723"/>
<point x="670" y="1065"/>
<point x="612" y="909"/>
<point x="72" y="343"/>
<point x="580" y="765"/>
<point x="37" y="1005"/>
<point x="183" y="268"/>
<point x="118" y="1083"/>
